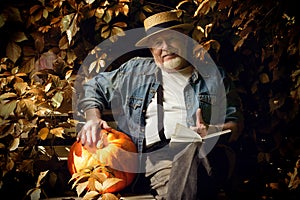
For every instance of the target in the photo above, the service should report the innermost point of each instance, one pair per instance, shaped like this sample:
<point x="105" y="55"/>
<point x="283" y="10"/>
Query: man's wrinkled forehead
<point x="165" y="35"/>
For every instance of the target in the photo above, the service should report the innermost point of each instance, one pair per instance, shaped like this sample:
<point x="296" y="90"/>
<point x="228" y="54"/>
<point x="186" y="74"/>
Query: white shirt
<point x="174" y="105"/>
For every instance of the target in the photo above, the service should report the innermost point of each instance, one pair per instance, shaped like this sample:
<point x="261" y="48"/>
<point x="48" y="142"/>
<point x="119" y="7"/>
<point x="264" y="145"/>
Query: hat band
<point x="162" y="25"/>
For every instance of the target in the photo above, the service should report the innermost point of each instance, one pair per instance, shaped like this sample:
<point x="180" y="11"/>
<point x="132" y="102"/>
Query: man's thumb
<point x="199" y="116"/>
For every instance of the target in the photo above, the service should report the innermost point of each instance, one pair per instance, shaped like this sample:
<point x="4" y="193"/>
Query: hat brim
<point x="145" y="40"/>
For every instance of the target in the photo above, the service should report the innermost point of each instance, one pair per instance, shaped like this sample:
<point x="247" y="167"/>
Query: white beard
<point x="173" y="63"/>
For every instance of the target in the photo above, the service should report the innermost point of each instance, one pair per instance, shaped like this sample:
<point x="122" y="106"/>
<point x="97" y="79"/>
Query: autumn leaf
<point x="3" y="18"/>
<point x="39" y="41"/>
<point x="100" y="176"/>
<point x="63" y="43"/>
<point x="27" y="106"/>
<point x="15" y="144"/>
<point x="46" y="61"/>
<point x="57" y="99"/>
<point x="110" y="182"/>
<point x="89" y="1"/>
<point x="90" y="195"/>
<point x="40" y="178"/>
<point x="7" y="95"/>
<point x="43" y="133"/>
<point x="203" y="8"/>
<point x="21" y="88"/>
<point x="34" y="193"/>
<point x="19" y="37"/>
<point x="58" y="132"/>
<point x="69" y="25"/>
<point x="7" y="108"/>
<point x="13" y="51"/>
<point x="109" y="196"/>
<point x="8" y="166"/>
<point x="80" y="188"/>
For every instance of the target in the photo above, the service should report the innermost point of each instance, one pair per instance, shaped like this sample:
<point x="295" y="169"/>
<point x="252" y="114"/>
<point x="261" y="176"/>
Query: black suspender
<point x="160" y="108"/>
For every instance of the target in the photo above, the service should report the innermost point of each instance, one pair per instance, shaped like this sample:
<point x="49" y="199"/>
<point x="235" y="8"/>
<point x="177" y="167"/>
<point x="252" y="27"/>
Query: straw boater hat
<point x="162" y="21"/>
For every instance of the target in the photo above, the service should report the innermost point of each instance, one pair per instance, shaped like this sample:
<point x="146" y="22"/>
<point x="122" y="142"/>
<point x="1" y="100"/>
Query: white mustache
<point x="169" y="52"/>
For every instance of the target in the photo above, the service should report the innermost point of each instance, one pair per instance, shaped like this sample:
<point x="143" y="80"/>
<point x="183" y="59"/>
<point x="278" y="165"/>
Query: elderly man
<point x="153" y="95"/>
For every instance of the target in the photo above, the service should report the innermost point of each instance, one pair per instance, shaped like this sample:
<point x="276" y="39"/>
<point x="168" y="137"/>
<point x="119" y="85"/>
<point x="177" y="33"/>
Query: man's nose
<point x="165" y="44"/>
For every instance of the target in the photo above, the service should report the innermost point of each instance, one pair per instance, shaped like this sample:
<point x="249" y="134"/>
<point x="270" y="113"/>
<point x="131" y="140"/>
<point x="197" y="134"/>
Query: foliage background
<point x="44" y="42"/>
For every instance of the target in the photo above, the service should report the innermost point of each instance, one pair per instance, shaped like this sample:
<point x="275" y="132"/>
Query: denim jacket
<point x="128" y="91"/>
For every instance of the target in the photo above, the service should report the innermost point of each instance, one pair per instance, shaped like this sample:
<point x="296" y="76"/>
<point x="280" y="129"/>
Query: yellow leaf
<point x="9" y="165"/>
<point x="125" y="10"/>
<point x="109" y="196"/>
<point x="58" y="132"/>
<point x="34" y="9"/>
<point x="7" y="95"/>
<point x="57" y="99"/>
<point x="117" y="31"/>
<point x="3" y="18"/>
<point x="105" y="34"/>
<point x="40" y="178"/>
<point x="15" y="144"/>
<point x="110" y="182"/>
<point x="148" y="8"/>
<point x="68" y="74"/>
<point x="13" y="51"/>
<point x="48" y="86"/>
<point x="29" y="108"/>
<point x="99" y="12"/>
<point x="36" y="194"/>
<point x="43" y="133"/>
<point x="98" y="186"/>
<point x="90" y="195"/>
<point x="92" y="66"/>
<point x="45" y="13"/>
<point x="73" y="28"/>
<point x="19" y="37"/>
<point x="108" y="16"/>
<point x="7" y="108"/>
<point x="66" y="21"/>
<point x="89" y="1"/>
<point x="264" y="78"/>
<point x="20" y="87"/>
<point x="63" y="43"/>
<point x="81" y="187"/>
<point x="120" y="24"/>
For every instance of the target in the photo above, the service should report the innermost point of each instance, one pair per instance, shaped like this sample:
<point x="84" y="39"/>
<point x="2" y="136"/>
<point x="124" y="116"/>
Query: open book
<point x="185" y="134"/>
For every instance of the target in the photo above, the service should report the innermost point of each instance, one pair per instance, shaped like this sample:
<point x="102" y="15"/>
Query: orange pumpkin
<point x="118" y="154"/>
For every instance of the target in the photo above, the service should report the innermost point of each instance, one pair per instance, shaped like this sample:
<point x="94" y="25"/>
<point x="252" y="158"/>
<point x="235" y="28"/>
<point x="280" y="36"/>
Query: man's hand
<point x="201" y="127"/>
<point x="89" y="135"/>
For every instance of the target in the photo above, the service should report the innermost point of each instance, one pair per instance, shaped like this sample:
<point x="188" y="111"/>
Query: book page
<point x="185" y="134"/>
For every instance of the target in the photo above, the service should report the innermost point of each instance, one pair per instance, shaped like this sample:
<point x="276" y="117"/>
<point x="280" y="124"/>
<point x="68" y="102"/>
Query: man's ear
<point x="151" y="50"/>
